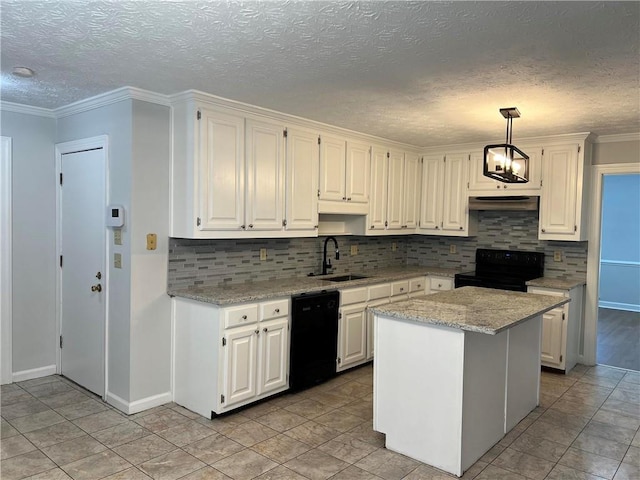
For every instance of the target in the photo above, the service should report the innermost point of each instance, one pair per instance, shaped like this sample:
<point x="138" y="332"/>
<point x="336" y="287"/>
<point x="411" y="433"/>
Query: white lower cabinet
<point x="352" y="328"/>
<point x="560" y="329"/>
<point x="226" y="357"/>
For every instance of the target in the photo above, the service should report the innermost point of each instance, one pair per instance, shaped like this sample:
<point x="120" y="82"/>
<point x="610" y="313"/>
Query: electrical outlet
<point x="394" y="246"/>
<point x="354" y="249"/>
<point x="117" y="260"/>
<point x="557" y="256"/>
<point x="452" y="249"/>
<point x="263" y="254"/>
<point x="117" y="236"/>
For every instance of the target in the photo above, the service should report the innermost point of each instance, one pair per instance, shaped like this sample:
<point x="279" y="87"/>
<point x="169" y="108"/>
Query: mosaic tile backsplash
<point x="217" y="262"/>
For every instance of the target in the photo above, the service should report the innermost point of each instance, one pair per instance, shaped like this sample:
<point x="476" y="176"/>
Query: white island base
<point x="445" y="396"/>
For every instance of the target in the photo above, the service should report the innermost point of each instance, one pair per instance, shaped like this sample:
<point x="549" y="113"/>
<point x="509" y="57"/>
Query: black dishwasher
<point x="314" y="338"/>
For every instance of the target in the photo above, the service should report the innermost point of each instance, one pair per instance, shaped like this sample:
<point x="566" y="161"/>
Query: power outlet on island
<point x="557" y="256"/>
<point x="263" y="254"/>
<point x="354" y="250"/>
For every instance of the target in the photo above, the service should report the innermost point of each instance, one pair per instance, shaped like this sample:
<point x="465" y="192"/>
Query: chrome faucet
<point x="326" y="262"/>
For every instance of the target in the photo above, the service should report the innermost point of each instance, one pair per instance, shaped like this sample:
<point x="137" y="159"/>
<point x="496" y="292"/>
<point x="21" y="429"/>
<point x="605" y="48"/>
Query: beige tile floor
<point x="585" y="428"/>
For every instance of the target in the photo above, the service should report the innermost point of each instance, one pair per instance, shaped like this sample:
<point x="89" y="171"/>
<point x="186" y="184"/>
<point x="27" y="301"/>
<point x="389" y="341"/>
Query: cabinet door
<point x="265" y="175"/>
<point x="379" y="176"/>
<point x="357" y="172"/>
<point x="559" y="191"/>
<point x="352" y="335"/>
<point x="332" y="168"/>
<point x="455" y="202"/>
<point x="412" y="182"/>
<point x="240" y="364"/>
<point x="395" y="201"/>
<point x="431" y="203"/>
<point x="552" y="341"/>
<point x="221" y="175"/>
<point x="301" y="200"/>
<point x="273" y="352"/>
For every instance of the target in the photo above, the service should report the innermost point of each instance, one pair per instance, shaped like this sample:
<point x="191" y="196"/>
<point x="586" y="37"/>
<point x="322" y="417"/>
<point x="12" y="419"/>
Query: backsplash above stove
<point x="218" y="262"/>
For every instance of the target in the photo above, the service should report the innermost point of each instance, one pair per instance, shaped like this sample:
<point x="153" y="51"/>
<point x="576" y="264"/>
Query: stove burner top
<point x="503" y="269"/>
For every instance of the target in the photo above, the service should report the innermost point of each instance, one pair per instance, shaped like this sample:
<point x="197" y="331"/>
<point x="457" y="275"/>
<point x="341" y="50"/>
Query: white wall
<point x="34" y="227"/>
<point x="150" y="304"/>
<point x="114" y="120"/>
<point x="616" y="152"/>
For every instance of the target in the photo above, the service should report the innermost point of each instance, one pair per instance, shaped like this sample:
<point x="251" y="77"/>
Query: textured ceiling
<point x="426" y="73"/>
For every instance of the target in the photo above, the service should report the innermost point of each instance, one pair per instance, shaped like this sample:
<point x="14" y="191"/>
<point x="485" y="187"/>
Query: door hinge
<point x="60" y="341"/>
<point x="339" y="315"/>
<point x="284" y="133"/>
<point x="563" y="316"/>
<point x="60" y="178"/>
<point x="199" y="115"/>
<point x="386" y="224"/>
<point x="561" y="358"/>
<point x="60" y="261"/>
<point x="224" y="342"/>
<point x="339" y="360"/>
<point x="198" y="222"/>
<point x="388" y="155"/>
<point x="318" y="193"/>
<point x="467" y="184"/>
<point x="318" y="140"/>
<point x="221" y="398"/>
<point x="575" y="228"/>
<point x="540" y="182"/>
<point x="579" y="148"/>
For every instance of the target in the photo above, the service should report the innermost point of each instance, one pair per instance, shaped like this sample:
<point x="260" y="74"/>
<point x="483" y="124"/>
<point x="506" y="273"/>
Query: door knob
<point x="96" y="288"/>
<point x="99" y="275"/>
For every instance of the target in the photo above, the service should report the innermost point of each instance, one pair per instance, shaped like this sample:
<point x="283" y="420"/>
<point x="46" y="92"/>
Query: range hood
<point x="504" y="203"/>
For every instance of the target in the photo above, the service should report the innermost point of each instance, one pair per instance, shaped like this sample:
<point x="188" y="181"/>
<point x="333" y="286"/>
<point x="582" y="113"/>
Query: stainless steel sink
<point x="346" y="278"/>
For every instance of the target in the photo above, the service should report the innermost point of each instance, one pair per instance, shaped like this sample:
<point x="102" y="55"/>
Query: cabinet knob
<point x="348" y="199"/>
<point x="402" y="289"/>
<point x="244" y="317"/>
<point x="439" y="285"/>
<point x="243" y="227"/>
<point x="419" y="286"/>
<point x="498" y="187"/>
<point x="504" y="186"/>
<point x="460" y="228"/>
<point x="372" y="227"/>
<point x="543" y="230"/>
<point x="277" y="310"/>
<point x="264" y="329"/>
<point x="257" y="332"/>
<point x="344" y="198"/>
<point x="251" y="225"/>
<point x="437" y="227"/>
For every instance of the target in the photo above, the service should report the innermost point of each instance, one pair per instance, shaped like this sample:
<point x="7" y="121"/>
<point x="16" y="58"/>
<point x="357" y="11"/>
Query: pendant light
<point x="505" y="162"/>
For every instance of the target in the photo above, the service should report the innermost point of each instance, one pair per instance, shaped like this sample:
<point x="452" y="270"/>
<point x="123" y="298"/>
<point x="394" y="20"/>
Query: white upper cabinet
<point x="445" y="205"/>
<point x="221" y="171"/>
<point x="412" y="183"/>
<point x="379" y="180"/>
<point x="395" y="200"/>
<point x="344" y="175"/>
<point x="479" y="185"/>
<point x="301" y="202"/>
<point x="265" y="175"/>
<point x="565" y="178"/>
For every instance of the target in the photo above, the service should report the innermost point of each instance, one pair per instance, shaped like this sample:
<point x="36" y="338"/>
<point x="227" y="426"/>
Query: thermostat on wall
<point x="115" y="216"/>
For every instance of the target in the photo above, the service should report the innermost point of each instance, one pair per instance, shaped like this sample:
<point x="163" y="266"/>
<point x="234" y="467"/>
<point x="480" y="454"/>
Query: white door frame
<point x="593" y="255"/>
<point x="101" y="141"/>
<point x="6" y="320"/>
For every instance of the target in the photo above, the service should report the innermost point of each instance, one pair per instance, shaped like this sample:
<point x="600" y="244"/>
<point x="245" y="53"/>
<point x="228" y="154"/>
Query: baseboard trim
<point x="139" y="405"/>
<point x="629" y="307"/>
<point x="34" y="373"/>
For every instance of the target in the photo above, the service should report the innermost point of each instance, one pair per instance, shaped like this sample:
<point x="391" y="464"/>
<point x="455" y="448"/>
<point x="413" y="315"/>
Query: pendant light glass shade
<point x="505" y="162"/>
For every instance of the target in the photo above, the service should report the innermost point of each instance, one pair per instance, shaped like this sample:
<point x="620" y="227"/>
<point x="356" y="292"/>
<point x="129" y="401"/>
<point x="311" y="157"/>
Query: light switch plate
<point x="117" y="260"/>
<point x="557" y="256"/>
<point x="152" y="241"/>
<point x="453" y="249"/>
<point x="354" y="249"/>
<point x="117" y="236"/>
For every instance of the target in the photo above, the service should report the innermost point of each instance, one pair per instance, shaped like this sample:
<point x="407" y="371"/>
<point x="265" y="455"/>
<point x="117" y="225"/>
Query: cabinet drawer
<point x="417" y="285"/>
<point x="274" y="309"/>
<point x="379" y="291"/>
<point x="400" y="288"/>
<point x="547" y="291"/>
<point x="438" y="284"/>
<point x="240" y="315"/>
<point x="353" y="295"/>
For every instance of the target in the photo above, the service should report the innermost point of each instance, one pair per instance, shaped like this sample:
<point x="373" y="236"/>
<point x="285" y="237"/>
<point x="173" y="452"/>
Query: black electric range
<point x="503" y="269"/>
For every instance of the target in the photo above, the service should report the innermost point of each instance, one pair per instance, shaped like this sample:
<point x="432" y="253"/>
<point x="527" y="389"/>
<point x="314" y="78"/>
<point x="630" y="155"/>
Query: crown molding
<point x="108" y="98"/>
<point x="26" y="109"/>
<point x="621" y="137"/>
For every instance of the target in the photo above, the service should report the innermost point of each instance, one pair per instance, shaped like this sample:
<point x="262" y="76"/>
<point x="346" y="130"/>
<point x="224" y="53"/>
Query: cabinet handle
<point x="372" y="227"/>
<point x="244" y="317"/>
<point x="264" y="329"/>
<point x="543" y="230"/>
<point x="349" y="199"/>
<point x="402" y="289"/>
<point x="251" y="225"/>
<point x="344" y="198"/>
<point x="277" y="310"/>
<point x="419" y="286"/>
<point x="257" y="332"/>
<point x="439" y="285"/>
<point x="243" y="227"/>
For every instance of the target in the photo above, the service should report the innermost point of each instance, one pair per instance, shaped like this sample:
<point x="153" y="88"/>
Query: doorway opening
<point x="618" y="333"/>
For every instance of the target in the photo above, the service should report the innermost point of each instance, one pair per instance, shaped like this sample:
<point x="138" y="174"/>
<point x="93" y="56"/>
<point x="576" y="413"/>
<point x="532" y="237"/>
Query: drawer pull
<point x="277" y="310"/>
<point x="402" y="289"/>
<point x="264" y="329"/>
<point x="244" y="317"/>
<point x="439" y="285"/>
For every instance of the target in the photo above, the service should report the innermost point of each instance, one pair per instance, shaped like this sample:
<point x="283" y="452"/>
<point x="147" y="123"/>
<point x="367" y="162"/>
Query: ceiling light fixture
<point x="505" y="162"/>
<point x="24" y="72"/>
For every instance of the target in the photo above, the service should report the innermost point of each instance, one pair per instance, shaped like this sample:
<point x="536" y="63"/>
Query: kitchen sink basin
<point x="346" y="278"/>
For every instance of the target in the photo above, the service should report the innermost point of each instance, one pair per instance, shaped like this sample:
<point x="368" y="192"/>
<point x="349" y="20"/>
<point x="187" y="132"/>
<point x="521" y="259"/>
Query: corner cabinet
<point x="564" y="191"/>
<point x="232" y="175"/>
<point x="445" y="205"/>
<point x="561" y="329"/>
<point x="227" y="357"/>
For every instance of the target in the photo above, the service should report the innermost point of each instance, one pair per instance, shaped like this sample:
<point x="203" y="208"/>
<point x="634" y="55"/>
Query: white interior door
<point x="6" y="371"/>
<point x="82" y="241"/>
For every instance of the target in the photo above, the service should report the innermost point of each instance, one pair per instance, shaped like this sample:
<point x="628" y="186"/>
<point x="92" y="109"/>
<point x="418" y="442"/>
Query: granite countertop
<point x="254" y="291"/>
<point x="473" y="309"/>
<point x="557" y="283"/>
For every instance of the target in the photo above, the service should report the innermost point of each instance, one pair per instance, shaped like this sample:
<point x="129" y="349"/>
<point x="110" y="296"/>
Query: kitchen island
<point x="455" y="371"/>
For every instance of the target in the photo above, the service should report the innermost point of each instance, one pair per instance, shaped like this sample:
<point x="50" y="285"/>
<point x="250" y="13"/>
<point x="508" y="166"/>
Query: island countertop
<point x="474" y="309"/>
